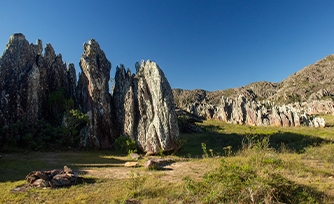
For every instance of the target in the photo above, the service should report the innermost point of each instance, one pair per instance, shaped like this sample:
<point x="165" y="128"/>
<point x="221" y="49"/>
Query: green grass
<point x="255" y="165"/>
<point x="218" y="135"/>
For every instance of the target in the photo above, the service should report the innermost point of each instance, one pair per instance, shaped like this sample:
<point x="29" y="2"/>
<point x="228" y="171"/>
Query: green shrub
<point x="255" y="180"/>
<point x="126" y="144"/>
<point x="180" y="120"/>
<point x="73" y="121"/>
<point x="59" y="104"/>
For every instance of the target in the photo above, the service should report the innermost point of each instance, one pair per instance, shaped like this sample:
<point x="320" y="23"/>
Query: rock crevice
<point x="145" y="105"/>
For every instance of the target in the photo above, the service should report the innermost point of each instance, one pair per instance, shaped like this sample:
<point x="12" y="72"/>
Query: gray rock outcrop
<point x="242" y="111"/>
<point x="26" y="79"/>
<point x="145" y="107"/>
<point x="94" y="97"/>
<point x="142" y="105"/>
<point x="187" y="121"/>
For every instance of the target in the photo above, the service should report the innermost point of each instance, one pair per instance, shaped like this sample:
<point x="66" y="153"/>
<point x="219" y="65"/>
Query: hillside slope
<point x="313" y="82"/>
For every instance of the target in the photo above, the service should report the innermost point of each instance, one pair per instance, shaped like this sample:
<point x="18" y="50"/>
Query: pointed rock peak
<point x="49" y="50"/>
<point x="91" y="49"/>
<point x="137" y="66"/>
<point x="16" y="37"/>
<point x="39" y="42"/>
<point x="142" y="63"/>
<point x="70" y="67"/>
<point x="128" y="71"/>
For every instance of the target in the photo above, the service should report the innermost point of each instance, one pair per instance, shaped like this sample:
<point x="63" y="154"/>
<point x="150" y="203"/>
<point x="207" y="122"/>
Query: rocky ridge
<point x="38" y="90"/>
<point x="313" y="82"/>
<point x="244" y="111"/>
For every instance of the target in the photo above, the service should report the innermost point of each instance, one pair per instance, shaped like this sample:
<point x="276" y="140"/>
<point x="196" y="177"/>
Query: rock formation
<point x="94" y="97"/>
<point x="242" y="111"/>
<point x="187" y="121"/>
<point x="27" y="78"/>
<point x="142" y="105"/>
<point x="145" y="107"/>
<point x="55" y="178"/>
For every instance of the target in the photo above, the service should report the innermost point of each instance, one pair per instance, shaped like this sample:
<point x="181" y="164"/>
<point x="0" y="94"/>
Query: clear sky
<point x="208" y="45"/>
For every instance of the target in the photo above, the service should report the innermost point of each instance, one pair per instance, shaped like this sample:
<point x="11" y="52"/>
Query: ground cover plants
<point x="225" y="164"/>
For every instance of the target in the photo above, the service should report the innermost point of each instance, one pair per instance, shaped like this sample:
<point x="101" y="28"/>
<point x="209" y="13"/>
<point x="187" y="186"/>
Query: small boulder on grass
<point x="157" y="163"/>
<point x="150" y="164"/>
<point x="54" y="178"/>
<point x="131" y="164"/>
<point x="135" y="156"/>
<point x="40" y="183"/>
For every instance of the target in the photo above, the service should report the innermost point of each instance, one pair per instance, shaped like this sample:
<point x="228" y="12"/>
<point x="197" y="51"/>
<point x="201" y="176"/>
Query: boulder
<point x="54" y="178"/>
<point x="131" y="164"/>
<point x="157" y="163"/>
<point x="135" y="156"/>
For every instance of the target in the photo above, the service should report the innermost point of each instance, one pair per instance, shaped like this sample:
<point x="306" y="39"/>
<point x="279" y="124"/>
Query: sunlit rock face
<point x="94" y="98"/>
<point x="145" y="107"/>
<point x="242" y="111"/>
<point x="27" y="78"/>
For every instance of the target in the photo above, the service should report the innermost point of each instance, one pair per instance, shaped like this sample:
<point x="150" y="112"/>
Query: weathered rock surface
<point x="145" y="105"/>
<point x="144" y="102"/>
<point x="94" y="97"/>
<point x="242" y="111"/>
<point x="54" y="178"/>
<point x="157" y="163"/>
<point x="187" y="121"/>
<point x="135" y="156"/>
<point x="27" y="78"/>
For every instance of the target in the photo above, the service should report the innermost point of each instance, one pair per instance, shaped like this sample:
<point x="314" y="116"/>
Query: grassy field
<point x="225" y="164"/>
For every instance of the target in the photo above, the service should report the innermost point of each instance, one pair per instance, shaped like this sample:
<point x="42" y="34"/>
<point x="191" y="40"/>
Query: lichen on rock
<point x="145" y="107"/>
<point x="94" y="98"/>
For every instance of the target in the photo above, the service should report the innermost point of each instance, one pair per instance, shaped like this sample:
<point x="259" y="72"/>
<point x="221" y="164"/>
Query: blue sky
<point x="208" y="45"/>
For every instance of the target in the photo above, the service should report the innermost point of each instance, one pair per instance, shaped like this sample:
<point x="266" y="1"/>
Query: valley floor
<point x="227" y="163"/>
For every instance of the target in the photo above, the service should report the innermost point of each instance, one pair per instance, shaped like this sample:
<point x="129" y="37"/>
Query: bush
<point x="126" y="144"/>
<point x="257" y="179"/>
<point x="62" y="128"/>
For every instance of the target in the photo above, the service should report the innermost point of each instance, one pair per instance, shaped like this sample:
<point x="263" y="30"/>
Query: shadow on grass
<point x="219" y="142"/>
<point x="15" y="166"/>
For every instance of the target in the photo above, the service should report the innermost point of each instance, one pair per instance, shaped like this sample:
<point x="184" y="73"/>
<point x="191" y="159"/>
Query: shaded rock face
<point x="242" y="111"/>
<point x="94" y="97"/>
<point x="145" y="105"/>
<point x="27" y="78"/>
<point x="187" y="121"/>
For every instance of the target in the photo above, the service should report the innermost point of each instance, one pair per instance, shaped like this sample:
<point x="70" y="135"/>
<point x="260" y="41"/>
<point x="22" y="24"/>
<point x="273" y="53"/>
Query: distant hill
<point x="313" y="82"/>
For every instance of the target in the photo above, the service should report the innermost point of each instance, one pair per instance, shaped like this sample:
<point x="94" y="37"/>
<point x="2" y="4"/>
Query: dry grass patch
<point x="256" y="165"/>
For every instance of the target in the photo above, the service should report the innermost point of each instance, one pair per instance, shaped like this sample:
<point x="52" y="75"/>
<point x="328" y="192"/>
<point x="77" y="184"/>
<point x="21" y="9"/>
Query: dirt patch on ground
<point x="98" y="166"/>
<point x="173" y="172"/>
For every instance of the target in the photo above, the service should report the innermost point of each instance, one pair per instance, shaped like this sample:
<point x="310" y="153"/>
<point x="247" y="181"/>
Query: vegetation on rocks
<point x="60" y="130"/>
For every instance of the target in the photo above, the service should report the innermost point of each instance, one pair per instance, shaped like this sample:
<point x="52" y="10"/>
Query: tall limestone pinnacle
<point x="95" y="97"/>
<point x="145" y="105"/>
